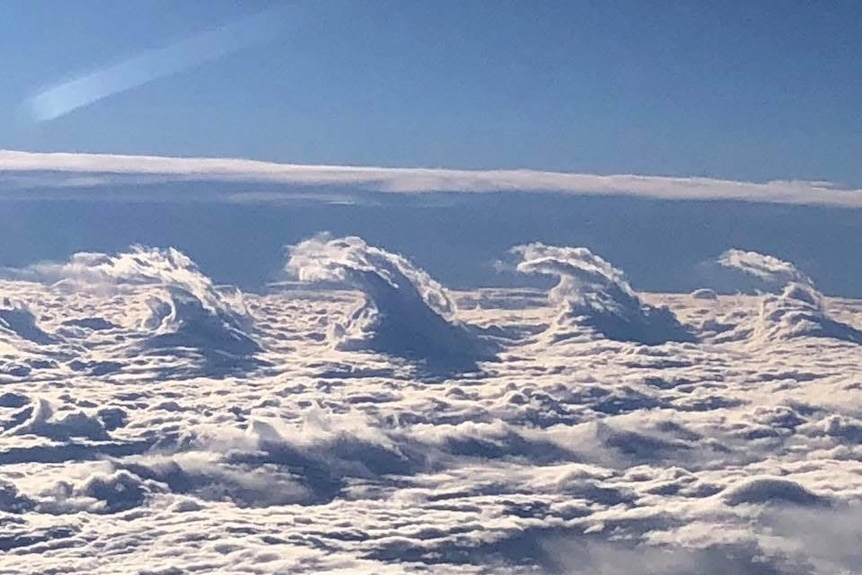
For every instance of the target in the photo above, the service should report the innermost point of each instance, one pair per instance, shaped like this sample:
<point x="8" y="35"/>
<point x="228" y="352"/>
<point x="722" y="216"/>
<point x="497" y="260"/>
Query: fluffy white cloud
<point x="406" y="312"/>
<point x="798" y="309"/>
<point x="589" y="455"/>
<point x="764" y="267"/>
<point x="183" y="308"/>
<point x="592" y="294"/>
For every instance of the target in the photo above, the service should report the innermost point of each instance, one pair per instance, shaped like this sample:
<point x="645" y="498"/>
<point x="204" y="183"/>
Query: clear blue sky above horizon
<point x="741" y="90"/>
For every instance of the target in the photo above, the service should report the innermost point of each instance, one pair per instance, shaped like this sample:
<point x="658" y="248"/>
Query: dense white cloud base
<point x="587" y="455"/>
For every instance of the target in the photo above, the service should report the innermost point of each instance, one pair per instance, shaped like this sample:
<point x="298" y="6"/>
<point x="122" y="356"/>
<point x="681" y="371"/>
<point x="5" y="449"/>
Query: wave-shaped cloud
<point x="179" y="318"/>
<point x="26" y="170"/>
<point x="680" y="458"/>
<point x="766" y="268"/>
<point x="140" y="265"/>
<point x="406" y="312"/>
<point x="186" y="310"/>
<point x="593" y="294"/>
<point x="797" y="310"/>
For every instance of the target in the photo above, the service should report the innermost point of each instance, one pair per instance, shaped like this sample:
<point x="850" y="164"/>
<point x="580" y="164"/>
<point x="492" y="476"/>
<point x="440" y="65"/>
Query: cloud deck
<point x="712" y="454"/>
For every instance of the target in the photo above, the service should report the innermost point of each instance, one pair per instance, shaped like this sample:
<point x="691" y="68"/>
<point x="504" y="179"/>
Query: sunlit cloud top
<point x="151" y="65"/>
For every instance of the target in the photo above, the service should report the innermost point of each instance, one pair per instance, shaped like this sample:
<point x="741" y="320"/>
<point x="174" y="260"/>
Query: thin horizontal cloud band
<point x="71" y="169"/>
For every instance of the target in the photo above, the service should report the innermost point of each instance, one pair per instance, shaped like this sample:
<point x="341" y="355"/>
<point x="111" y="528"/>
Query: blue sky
<point x="740" y="90"/>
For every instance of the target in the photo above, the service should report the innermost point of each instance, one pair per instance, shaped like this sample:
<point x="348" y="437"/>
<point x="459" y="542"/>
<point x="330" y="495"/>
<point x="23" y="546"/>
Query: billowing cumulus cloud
<point x="593" y="456"/>
<point x="764" y="267"/>
<point x="592" y="294"/>
<point x="797" y="309"/>
<point x="180" y="319"/>
<point x="139" y="266"/>
<point x="406" y="312"/>
<point x="184" y="309"/>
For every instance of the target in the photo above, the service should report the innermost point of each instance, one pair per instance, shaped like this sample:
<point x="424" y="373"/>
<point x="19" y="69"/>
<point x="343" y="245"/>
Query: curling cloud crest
<point x="591" y="293"/>
<point x="766" y="268"/>
<point x="798" y="309"/>
<point x="406" y="312"/>
<point x="139" y="266"/>
<point x="185" y="308"/>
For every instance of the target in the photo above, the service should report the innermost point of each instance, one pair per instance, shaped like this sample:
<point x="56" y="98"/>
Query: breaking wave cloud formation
<point x="367" y="420"/>
<point x="184" y="313"/>
<point x="594" y="295"/>
<point x="798" y="309"/>
<point x="406" y="313"/>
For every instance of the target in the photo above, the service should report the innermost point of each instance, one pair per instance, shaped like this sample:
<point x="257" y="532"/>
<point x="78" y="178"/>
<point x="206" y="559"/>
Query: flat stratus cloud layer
<point x="30" y="169"/>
